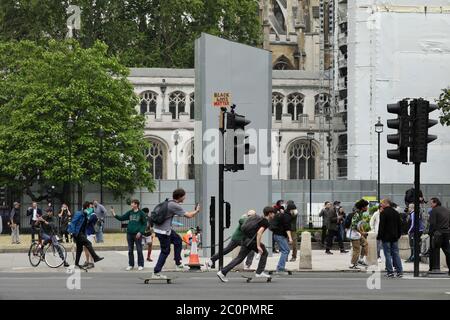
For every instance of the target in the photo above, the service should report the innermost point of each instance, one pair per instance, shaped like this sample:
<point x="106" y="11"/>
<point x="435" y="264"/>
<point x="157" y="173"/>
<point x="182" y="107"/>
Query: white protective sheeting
<point x="395" y="51"/>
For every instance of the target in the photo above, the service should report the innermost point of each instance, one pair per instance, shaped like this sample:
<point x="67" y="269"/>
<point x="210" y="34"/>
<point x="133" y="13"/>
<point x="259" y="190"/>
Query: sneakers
<point x="90" y="265"/>
<point x="129" y="268"/>
<point x="66" y="264"/>
<point x="379" y="260"/>
<point x="344" y="251"/>
<point x="222" y="277"/>
<point x="180" y="266"/>
<point x="328" y="252"/>
<point x="389" y="275"/>
<point x="85" y="265"/>
<point x="262" y="275"/>
<point x="362" y="263"/>
<point x="158" y="276"/>
<point x="399" y="275"/>
<point x="140" y="268"/>
<point x="98" y="259"/>
<point x="209" y="264"/>
<point x="354" y="267"/>
<point x="149" y="259"/>
<point x="293" y="259"/>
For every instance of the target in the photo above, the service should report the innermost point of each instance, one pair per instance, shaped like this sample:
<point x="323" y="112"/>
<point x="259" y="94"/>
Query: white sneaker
<point x="379" y="260"/>
<point x="158" y="276"/>
<point x="140" y="268"/>
<point x="262" y="275"/>
<point x="222" y="276"/>
<point x="129" y="268"/>
<point x="209" y="264"/>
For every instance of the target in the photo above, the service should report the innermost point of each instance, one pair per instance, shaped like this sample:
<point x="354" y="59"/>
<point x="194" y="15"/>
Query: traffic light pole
<point x="221" y="174"/>
<point x="416" y="217"/>
<point x="212" y="223"/>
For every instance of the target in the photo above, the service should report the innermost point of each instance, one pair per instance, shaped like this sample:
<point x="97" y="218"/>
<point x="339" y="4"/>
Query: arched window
<point x="148" y="102"/>
<point x="177" y="103"/>
<point x="279" y="16"/>
<point x="282" y="63"/>
<point x="300" y="165"/>
<point x="322" y="103"/>
<point x="277" y="105"/>
<point x="191" y="161"/>
<point x="295" y="105"/>
<point x="156" y="156"/>
<point x="192" y="106"/>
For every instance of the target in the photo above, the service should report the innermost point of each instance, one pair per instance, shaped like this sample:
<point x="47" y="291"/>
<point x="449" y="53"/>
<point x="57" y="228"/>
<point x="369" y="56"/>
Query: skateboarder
<point x="235" y="242"/>
<point x="253" y="230"/>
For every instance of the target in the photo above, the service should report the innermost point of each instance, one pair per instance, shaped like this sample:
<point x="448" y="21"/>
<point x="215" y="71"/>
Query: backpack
<point x="250" y="226"/>
<point x="160" y="213"/>
<point x="348" y="220"/>
<point x="74" y="226"/>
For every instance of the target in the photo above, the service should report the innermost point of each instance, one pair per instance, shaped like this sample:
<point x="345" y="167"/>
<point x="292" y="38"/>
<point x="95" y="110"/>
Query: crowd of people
<point x="388" y="222"/>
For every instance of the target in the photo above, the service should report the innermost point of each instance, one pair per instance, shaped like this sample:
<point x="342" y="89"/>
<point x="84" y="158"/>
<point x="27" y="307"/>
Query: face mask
<point x="295" y="211"/>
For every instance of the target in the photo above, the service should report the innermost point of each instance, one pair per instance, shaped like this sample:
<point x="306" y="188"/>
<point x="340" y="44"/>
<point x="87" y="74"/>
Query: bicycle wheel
<point x="55" y="255"/>
<point x="35" y="254"/>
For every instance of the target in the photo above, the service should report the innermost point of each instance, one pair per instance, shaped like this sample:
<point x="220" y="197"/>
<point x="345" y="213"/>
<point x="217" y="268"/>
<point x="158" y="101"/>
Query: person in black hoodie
<point x="281" y="228"/>
<point x="389" y="231"/>
<point x="440" y="228"/>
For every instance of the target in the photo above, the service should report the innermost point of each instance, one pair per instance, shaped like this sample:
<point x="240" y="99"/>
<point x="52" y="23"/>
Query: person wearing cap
<point x="14" y="219"/>
<point x="333" y="222"/>
<point x="291" y="208"/>
<point x="236" y="240"/>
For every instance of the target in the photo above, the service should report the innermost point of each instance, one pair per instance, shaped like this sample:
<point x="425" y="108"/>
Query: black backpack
<point x="160" y="213"/>
<point x="250" y="226"/>
<point x="348" y="220"/>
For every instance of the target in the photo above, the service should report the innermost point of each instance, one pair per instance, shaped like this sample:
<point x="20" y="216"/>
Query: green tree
<point x="444" y="106"/>
<point x="141" y="33"/>
<point x="40" y="86"/>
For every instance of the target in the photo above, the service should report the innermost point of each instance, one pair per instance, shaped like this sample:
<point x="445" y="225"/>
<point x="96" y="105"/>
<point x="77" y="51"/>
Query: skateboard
<point x="252" y="277"/>
<point x="288" y="272"/>
<point x="148" y="280"/>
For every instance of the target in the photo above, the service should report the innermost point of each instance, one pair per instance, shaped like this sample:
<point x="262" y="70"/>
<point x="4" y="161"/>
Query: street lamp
<point x="101" y="134"/>
<point x="378" y="130"/>
<point x="310" y="136"/>
<point x="279" y="137"/>
<point x="163" y="88"/>
<point x="177" y="139"/>
<point x="329" y="140"/>
<point x="70" y="124"/>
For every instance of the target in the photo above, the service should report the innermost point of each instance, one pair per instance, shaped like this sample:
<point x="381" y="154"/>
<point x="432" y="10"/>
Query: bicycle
<point x="50" y="253"/>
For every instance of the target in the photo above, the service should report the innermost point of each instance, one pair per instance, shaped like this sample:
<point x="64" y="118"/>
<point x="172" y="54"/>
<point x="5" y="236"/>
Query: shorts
<point x="91" y="238"/>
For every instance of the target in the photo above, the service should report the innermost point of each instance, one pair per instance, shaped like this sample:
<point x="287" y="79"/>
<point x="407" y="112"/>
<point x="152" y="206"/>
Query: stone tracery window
<point x="156" y="156"/>
<point x="192" y="106"/>
<point x="322" y="104"/>
<point x="299" y="163"/>
<point x="148" y="102"/>
<point x="177" y="103"/>
<point x="277" y="105"/>
<point x="295" y="104"/>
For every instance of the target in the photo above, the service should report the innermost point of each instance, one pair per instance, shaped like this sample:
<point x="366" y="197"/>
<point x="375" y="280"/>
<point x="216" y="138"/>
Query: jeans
<point x="81" y="241"/>
<point x="283" y="244"/>
<point x="379" y="245"/>
<point x="411" y="244"/>
<point x="99" y="234"/>
<point x="165" y="241"/>
<point x="46" y="239"/>
<point x="230" y="247"/>
<point x="245" y="250"/>
<point x="131" y="239"/>
<point x="392" y="255"/>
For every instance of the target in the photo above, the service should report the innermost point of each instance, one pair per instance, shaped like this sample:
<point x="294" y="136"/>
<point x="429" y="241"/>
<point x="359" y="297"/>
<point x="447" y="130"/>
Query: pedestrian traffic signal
<point x="403" y="126"/>
<point x="420" y="110"/>
<point x="227" y="215"/>
<point x="236" y="146"/>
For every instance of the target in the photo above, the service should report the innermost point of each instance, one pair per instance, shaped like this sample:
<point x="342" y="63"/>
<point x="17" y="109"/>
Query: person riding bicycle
<point x="48" y="232"/>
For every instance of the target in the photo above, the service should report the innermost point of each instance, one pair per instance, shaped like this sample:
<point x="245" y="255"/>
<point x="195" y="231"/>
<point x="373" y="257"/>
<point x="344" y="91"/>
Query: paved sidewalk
<point x="117" y="261"/>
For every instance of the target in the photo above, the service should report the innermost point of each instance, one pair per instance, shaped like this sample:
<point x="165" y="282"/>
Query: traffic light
<point x="420" y="110"/>
<point x="227" y="215"/>
<point x="236" y="147"/>
<point x="403" y="126"/>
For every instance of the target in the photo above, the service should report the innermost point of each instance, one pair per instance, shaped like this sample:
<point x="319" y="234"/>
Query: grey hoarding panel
<point x="245" y="73"/>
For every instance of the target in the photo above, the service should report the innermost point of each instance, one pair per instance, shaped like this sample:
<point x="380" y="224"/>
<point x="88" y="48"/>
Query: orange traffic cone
<point x="194" y="262"/>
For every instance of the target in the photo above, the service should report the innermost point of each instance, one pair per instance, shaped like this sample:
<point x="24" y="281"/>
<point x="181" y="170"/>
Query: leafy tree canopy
<point x="40" y="86"/>
<point x="141" y="33"/>
<point x="444" y="106"/>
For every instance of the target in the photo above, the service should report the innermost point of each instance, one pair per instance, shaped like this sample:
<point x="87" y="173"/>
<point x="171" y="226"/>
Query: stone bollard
<point x="305" y="251"/>
<point x="403" y="246"/>
<point x="234" y="254"/>
<point x="372" y="249"/>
